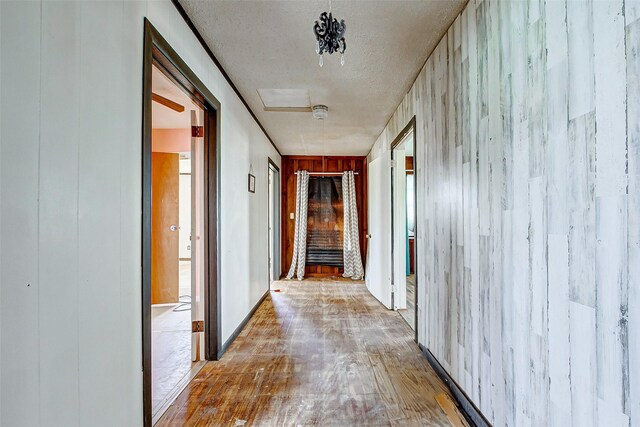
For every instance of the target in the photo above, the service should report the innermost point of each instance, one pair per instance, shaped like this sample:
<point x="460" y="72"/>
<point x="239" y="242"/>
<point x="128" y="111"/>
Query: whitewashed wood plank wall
<point x="528" y="130"/>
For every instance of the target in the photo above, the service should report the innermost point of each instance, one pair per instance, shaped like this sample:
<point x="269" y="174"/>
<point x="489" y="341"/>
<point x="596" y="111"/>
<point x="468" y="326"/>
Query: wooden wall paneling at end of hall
<point x="291" y="164"/>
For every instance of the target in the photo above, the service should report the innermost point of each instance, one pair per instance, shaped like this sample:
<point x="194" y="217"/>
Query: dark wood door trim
<point x="272" y="163"/>
<point x="159" y="53"/>
<point x="277" y="169"/>
<point x="410" y="127"/>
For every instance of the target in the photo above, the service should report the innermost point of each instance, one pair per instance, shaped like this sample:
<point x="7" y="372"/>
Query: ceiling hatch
<point x="293" y="100"/>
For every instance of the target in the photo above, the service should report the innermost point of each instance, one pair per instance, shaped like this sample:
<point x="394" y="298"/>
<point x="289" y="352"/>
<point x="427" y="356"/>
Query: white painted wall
<point x="528" y="188"/>
<point x="70" y="191"/>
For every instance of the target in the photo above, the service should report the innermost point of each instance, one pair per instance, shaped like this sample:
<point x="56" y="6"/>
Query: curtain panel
<point x="298" y="260"/>
<point x="351" y="243"/>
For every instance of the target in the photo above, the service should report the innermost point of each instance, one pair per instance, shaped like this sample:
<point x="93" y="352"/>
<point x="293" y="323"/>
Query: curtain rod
<point x="327" y="173"/>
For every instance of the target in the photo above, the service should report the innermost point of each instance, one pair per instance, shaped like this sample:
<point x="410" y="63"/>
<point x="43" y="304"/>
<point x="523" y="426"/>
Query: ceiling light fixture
<point x="330" y="35"/>
<point x="320" y="112"/>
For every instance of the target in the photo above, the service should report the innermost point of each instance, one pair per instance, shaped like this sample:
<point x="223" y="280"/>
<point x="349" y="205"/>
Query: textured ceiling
<point x="270" y="45"/>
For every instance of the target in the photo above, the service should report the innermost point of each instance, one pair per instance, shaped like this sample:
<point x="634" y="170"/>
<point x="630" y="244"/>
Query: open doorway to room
<point x="403" y="222"/>
<point x="180" y="248"/>
<point x="274" y="223"/>
<point x="176" y="240"/>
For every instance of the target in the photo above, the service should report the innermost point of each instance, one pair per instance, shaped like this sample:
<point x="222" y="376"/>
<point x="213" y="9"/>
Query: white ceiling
<point x="164" y="117"/>
<point x="270" y="45"/>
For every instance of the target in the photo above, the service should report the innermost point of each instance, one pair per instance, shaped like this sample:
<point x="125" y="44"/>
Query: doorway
<point x="274" y="223"/>
<point x="176" y="240"/>
<point x="403" y="229"/>
<point x="180" y="207"/>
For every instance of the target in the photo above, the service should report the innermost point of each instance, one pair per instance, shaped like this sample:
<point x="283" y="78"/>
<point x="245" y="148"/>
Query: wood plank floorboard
<point x="319" y="352"/>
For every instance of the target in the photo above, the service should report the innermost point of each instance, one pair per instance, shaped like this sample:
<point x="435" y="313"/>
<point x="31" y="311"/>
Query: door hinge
<point x="393" y="163"/>
<point x="197" y="131"/>
<point x="197" y="326"/>
<point x="393" y="288"/>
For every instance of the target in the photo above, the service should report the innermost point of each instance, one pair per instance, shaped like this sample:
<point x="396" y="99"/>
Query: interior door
<point x="274" y="224"/>
<point x="271" y="228"/>
<point x="399" y="229"/>
<point x="378" y="270"/>
<point x="165" y="187"/>
<point x="197" y="232"/>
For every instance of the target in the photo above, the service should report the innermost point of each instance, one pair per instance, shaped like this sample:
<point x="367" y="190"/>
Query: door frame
<point x="410" y="127"/>
<point x="158" y="52"/>
<point x="277" y="221"/>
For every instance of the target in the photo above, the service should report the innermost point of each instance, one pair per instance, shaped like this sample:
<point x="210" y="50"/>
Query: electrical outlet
<point x="292" y="215"/>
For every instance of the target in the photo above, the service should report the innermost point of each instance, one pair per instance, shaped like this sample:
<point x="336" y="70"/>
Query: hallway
<point x="316" y="353"/>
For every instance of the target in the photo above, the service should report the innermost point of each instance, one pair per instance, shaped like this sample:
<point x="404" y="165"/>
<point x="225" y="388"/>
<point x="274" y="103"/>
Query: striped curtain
<point x="351" y="242"/>
<point x="300" y="233"/>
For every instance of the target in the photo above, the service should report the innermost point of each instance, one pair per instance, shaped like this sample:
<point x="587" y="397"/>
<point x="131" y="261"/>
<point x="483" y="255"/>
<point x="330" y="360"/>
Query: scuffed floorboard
<point x="316" y="353"/>
<point x="449" y="408"/>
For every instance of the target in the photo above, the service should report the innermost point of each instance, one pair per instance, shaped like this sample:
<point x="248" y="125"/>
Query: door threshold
<point x="171" y="397"/>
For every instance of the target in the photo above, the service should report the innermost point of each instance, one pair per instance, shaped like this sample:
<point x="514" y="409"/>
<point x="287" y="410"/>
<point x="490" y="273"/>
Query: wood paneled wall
<point x="291" y="164"/>
<point x="528" y="154"/>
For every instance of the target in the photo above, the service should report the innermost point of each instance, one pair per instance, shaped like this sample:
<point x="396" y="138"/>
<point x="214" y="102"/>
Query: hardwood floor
<point x="318" y="352"/>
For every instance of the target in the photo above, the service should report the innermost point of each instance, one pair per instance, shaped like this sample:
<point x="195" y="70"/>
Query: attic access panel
<point x="285" y="100"/>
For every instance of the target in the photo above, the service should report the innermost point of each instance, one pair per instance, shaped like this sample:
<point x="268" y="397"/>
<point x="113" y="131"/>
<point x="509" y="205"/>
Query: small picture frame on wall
<point x="252" y="183"/>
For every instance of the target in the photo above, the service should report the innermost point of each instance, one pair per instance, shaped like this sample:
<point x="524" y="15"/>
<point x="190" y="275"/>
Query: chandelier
<point x="330" y="35"/>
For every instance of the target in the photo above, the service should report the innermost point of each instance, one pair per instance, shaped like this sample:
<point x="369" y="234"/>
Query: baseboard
<point x="466" y="406"/>
<point x="244" y="322"/>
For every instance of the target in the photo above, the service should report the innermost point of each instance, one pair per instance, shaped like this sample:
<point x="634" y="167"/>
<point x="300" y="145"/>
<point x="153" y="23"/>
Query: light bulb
<point x="318" y="47"/>
<point x="320" y="60"/>
<point x="342" y="59"/>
